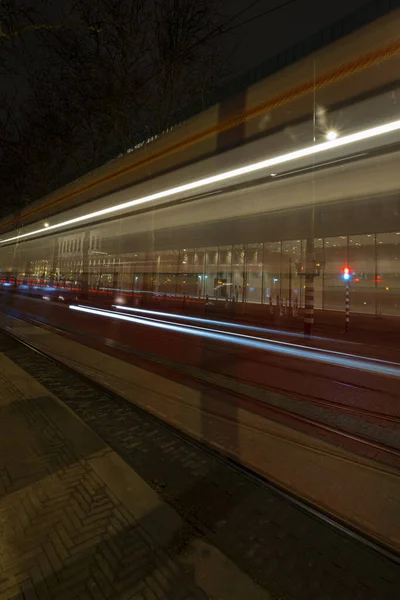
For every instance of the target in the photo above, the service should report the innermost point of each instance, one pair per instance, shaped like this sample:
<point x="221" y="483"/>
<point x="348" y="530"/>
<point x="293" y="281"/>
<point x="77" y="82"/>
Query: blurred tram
<point x="238" y="227"/>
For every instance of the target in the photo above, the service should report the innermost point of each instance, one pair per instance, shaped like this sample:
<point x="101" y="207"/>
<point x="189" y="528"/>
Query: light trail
<point x="330" y="357"/>
<point x="219" y="177"/>
<point x="251" y="327"/>
<point x="180" y="317"/>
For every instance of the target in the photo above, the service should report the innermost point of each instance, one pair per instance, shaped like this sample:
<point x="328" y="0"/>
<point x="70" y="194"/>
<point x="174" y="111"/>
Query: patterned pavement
<point x="63" y="534"/>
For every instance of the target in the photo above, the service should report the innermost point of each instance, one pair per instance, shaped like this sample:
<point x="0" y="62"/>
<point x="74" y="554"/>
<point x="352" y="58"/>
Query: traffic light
<point x="346" y="273"/>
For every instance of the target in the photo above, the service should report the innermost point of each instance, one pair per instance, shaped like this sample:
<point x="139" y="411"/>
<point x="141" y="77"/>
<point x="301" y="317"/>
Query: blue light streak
<point x="213" y="322"/>
<point x="330" y="357"/>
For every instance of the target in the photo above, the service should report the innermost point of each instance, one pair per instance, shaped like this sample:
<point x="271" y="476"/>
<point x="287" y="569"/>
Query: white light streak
<point x="200" y="320"/>
<point x="331" y="357"/>
<point x="219" y="177"/>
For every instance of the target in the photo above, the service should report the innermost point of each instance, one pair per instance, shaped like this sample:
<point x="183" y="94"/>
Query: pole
<point x="309" y="308"/>
<point x="309" y="295"/>
<point x="347" y="307"/>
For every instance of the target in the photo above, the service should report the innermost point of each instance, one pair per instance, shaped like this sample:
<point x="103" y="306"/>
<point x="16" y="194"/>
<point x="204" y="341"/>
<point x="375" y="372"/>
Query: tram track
<point x="211" y="384"/>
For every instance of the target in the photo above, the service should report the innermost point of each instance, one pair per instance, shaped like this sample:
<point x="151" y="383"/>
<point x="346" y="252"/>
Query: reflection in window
<point x="254" y="268"/>
<point x="291" y="282"/>
<point x="388" y="274"/>
<point x="223" y="279"/>
<point x="211" y="271"/>
<point x="362" y="265"/>
<point x="336" y="258"/>
<point x="272" y="281"/>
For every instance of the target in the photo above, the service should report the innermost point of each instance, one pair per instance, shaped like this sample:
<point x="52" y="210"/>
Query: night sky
<point x="270" y="34"/>
<point x="247" y="44"/>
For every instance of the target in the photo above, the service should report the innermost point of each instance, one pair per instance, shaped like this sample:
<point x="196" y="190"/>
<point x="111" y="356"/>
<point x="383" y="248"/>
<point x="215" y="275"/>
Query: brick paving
<point x="63" y="534"/>
<point x="285" y="549"/>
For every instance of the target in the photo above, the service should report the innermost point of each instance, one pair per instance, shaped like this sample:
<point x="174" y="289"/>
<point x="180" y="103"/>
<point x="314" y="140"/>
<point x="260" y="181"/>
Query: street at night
<point x="199" y="300"/>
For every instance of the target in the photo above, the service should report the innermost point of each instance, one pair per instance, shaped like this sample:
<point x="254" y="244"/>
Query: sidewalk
<point x="76" y="522"/>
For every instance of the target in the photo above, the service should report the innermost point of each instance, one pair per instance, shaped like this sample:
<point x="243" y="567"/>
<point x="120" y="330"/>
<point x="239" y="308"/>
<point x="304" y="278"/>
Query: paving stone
<point x="54" y="536"/>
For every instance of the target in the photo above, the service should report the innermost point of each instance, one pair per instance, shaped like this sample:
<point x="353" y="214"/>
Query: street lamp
<point x="331" y="135"/>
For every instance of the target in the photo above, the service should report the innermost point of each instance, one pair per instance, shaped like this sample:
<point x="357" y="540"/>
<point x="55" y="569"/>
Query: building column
<point x="309" y="291"/>
<point x="85" y="266"/>
<point x="54" y="261"/>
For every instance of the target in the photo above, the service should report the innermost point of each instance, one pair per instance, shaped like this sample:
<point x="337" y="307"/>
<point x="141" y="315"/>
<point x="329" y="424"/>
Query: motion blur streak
<point x="225" y="323"/>
<point x="286" y="348"/>
<point x="269" y="162"/>
<point x="214" y="322"/>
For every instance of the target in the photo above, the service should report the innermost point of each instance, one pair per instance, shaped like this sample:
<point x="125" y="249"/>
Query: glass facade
<point x="251" y="273"/>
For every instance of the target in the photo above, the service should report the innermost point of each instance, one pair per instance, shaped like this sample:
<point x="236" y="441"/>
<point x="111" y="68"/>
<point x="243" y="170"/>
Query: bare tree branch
<point x="44" y="27"/>
<point x="96" y="79"/>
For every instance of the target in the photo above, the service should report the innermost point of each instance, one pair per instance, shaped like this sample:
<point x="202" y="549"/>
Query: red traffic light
<point x="346" y="273"/>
